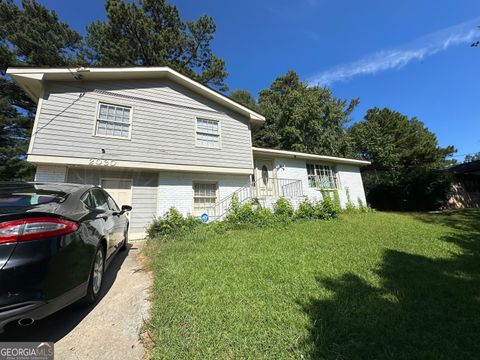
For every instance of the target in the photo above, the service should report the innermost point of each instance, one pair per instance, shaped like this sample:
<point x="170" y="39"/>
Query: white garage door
<point x="119" y="189"/>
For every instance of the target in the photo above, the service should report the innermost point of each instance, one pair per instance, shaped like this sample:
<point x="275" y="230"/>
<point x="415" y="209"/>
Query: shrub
<point x="172" y="224"/>
<point x="283" y="208"/>
<point x="350" y="207"/>
<point x="325" y="209"/>
<point x="336" y="202"/>
<point x="305" y="210"/>
<point x="263" y="217"/>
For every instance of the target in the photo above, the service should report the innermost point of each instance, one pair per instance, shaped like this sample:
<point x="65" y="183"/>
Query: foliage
<point x="283" y="208"/>
<point x="244" y="97"/>
<point x="405" y="173"/>
<point x="336" y="202"/>
<point x="30" y="35"/>
<point x="472" y="157"/>
<point x="151" y="33"/>
<point x="172" y="225"/>
<point x="303" y="118"/>
<point x="306" y="210"/>
<point x="354" y="288"/>
<point x="325" y="209"/>
<point x="350" y="206"/>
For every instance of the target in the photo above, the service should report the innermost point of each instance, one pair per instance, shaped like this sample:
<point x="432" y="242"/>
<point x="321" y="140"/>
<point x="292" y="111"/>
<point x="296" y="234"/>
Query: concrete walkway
<point x="108" y="330"/>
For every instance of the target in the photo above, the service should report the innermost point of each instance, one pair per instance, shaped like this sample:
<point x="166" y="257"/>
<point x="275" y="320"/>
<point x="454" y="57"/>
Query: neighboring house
<point x="155" y="139"/>
<point x="465" y="191"/>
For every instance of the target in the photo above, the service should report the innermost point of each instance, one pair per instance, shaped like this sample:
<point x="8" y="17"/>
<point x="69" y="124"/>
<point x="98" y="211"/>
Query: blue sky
<point x="410" y="56"/>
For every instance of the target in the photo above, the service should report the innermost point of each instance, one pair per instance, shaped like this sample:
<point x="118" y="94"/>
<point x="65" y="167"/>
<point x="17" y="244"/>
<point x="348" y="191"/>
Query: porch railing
<point x="274" y="187"/>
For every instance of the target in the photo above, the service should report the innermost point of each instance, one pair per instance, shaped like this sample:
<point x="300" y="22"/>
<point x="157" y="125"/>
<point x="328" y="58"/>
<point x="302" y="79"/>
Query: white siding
<point x="162" y="131"/>
<point x="349" y="177"/>
<point x="50" y="173"/>
<point x="176" y="189"/>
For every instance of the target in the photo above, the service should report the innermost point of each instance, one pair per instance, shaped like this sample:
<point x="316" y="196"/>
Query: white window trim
<point x="217" y="192"/>
<point x="332" y="168"/>
<point x="219" y="147"/>
<point x="97" y="113"/>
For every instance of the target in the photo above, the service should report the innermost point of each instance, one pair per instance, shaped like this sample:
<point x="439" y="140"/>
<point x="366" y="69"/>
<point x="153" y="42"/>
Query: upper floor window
<point x="113" y="120"/>
<point x="321" y="176"/>
<point x="208" y="133"/>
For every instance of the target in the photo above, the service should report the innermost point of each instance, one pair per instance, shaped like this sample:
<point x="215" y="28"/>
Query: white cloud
<point x="397" y="58"/>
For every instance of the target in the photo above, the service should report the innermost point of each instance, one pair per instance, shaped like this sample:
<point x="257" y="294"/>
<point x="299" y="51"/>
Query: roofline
<point x="299" y="155"/>
<point x="26" y="75"/>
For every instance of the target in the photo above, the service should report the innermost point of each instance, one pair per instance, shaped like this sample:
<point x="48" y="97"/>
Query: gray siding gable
<point x="163" y="124"/>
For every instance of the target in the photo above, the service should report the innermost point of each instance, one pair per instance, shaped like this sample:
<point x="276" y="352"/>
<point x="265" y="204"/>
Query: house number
<point x="102" y="162"/>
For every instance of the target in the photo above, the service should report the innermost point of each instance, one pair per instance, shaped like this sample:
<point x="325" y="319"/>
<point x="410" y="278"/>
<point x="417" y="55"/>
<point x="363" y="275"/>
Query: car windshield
<point x="19" y="196"/>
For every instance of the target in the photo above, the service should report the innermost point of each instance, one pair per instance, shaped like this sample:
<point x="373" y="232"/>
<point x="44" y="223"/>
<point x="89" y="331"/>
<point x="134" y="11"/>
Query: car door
<point x="106" y="218"/>
<point x="119" y="218"/>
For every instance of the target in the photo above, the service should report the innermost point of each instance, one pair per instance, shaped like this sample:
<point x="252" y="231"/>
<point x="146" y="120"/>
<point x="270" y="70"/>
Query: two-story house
<point x="155" y="139"/>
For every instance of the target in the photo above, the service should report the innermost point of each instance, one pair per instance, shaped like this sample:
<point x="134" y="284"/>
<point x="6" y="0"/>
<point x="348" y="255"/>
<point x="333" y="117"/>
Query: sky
<point x="413" y="56"/>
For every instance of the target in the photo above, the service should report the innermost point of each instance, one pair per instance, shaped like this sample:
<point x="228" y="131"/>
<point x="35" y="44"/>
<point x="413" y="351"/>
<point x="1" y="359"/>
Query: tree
<point x="29" y="35"/>
<point x="244" y="97"/>
<point x="303" y="118"/>
<point x="407" y="164"/>
<point x="151" y="33"/>
<point x="472" y="157"/>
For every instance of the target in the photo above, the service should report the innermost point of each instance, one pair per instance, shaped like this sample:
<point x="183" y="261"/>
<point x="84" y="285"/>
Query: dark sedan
<point x="56" y="240"/>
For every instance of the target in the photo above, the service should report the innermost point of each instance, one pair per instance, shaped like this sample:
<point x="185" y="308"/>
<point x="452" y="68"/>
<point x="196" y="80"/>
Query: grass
<point x="364" y="286"/>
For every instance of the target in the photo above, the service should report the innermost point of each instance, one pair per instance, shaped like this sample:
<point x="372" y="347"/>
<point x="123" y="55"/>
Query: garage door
<point x="119" y="189"/>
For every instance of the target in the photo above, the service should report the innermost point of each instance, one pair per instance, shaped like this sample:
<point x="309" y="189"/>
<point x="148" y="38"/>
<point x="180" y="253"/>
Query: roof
<point x="299" y="155"/>
<point x="465" y="168"/>
<point x="30" y="80"/>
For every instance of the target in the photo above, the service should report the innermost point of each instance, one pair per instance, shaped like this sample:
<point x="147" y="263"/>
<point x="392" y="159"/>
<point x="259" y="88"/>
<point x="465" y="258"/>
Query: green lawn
<point x="364" y="286"/>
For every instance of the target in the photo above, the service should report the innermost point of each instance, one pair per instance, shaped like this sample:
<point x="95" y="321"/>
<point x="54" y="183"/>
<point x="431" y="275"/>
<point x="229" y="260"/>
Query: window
<point x="208" y="133"/>
<point x="112" y="204"/>
<point x="204" y="196"/>
<point x="113" y="121"/>
<point x="99" y="200"/>
<point x="321" y="176"/>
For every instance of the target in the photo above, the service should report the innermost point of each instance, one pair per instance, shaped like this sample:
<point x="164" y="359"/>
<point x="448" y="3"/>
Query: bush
<point x="172" y="224"/>
<point x="305" y="210"/>
<point x="325" y="209"/>
<point x="350" y="207"/>
<point x="283" y="208"/>
<point x="336" y="202"/>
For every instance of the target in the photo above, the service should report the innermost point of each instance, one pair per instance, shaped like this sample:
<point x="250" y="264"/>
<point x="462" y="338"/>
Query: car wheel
<point x="96" y="277"/>
<point x="125" y="240"/>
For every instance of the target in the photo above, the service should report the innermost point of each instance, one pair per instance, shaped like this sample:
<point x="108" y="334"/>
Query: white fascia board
<point x="299" y="155"/>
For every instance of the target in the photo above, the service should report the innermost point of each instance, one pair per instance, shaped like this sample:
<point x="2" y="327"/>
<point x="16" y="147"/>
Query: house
<point x="465" y="189"/>
<point x="155" y="139"/>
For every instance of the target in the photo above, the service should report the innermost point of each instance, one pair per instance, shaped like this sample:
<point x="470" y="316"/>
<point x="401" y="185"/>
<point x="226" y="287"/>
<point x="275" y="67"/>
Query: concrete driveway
<point x="109" y="329"/>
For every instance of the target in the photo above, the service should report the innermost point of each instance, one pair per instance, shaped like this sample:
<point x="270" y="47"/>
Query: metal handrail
<point x="290" y="188"/>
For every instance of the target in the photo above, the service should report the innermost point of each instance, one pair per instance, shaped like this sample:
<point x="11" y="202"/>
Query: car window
<point x="112" y="204"/>
<point x="28" y="195"/>
<point x="99" y="199"/>
<point x="87" y="200"/>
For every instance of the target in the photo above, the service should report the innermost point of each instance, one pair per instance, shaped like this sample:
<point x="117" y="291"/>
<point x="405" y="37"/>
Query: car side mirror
<point x="126" y="208"/>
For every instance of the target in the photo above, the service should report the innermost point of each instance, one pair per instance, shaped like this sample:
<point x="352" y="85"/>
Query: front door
<point x="264" y="178"/>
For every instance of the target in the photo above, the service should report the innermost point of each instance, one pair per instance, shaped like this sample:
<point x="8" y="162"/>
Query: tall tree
<point x="244" y="97"/>
<point x="303" y="118"/>
<point x="472" y="157"/>
<point x="407" y="162"/>
<point x="151" y="33"/>
<point x="29" y="35"/>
